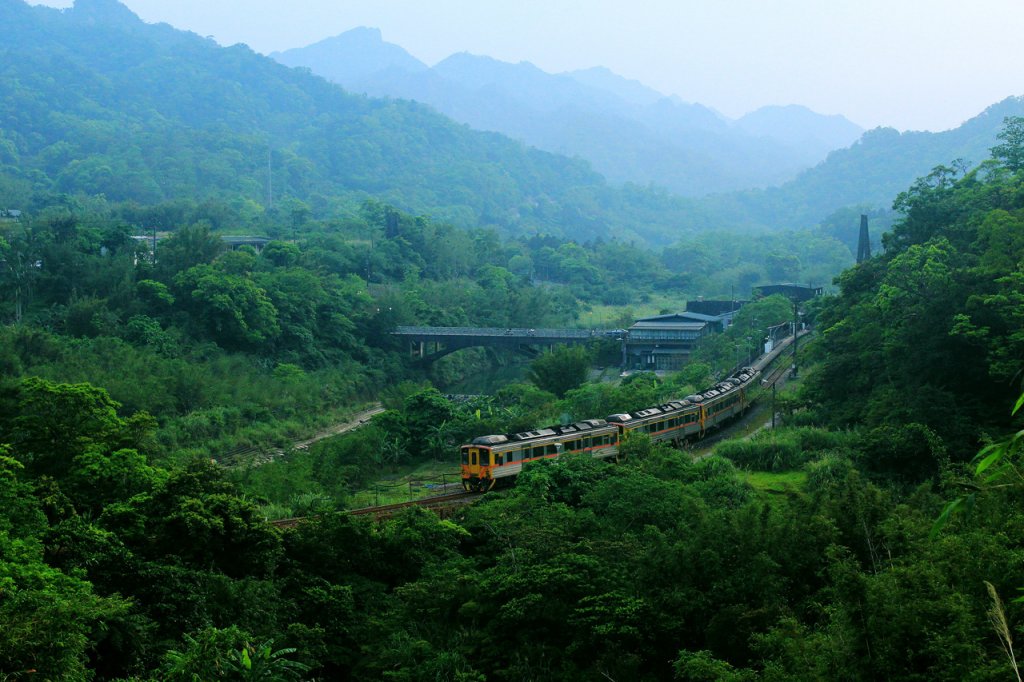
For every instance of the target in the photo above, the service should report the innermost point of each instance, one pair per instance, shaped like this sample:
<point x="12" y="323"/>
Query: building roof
<point x="714" y="307"/>
<point x="705" y="318"/>
<point x="673" y="323"/>
<point x="686" y="316"/>
<point x="679" y="317"/>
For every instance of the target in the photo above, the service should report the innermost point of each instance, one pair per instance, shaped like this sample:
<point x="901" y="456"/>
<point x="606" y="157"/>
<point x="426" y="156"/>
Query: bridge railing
<point x="509" y="331"/>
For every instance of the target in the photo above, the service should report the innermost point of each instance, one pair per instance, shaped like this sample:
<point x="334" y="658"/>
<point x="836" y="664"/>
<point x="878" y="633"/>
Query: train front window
<point x="465" y="456"/>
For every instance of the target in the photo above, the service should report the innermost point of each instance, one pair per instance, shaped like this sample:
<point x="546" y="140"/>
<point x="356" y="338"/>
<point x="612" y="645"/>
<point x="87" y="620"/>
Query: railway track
<point x="259" y="455"/>
<point x="444" y="505"/>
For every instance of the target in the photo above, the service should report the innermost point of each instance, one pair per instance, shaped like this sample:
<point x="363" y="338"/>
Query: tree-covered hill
<point x="868" y="174"/>
<point x="800" y="553"/>
<point x="930" y="331"/>
<point x="97" y="102"/>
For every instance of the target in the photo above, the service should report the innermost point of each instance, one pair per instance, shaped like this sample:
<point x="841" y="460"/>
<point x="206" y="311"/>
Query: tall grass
<point x="783" y="449"/>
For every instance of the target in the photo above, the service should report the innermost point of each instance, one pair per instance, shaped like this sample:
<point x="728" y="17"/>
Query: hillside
<point x="883" y="163"/>
<point x="99" y="103"/>
<point x="629" y="132"/>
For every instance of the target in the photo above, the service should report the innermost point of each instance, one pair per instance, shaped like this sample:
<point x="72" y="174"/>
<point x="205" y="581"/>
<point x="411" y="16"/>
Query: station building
<point x="664" y="342"/>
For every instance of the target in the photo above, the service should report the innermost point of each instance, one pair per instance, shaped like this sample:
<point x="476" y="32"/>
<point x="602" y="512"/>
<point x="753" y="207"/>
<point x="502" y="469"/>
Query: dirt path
<point x="254" y="456"/>
<point x="357" y="420"/>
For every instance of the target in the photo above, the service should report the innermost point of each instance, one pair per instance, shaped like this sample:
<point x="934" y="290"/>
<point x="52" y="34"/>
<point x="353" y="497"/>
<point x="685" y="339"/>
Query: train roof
<point x="741" y="377"/>
<point x="581" y="427"/>
<point x="665" y="409"/>
<point x="728" y="384"/>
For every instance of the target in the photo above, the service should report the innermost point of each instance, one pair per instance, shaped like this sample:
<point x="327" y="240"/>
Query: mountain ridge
<point x="626" y="130"/>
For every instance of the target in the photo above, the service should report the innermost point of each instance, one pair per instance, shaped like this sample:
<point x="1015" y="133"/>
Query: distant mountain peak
<point x="110" y="12"/>
<point x="351" y="57"/>
<point x="798" y="125"/>
<point x="368" y="32"/>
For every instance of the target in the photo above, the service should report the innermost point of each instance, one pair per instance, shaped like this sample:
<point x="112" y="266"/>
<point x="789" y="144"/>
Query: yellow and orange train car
<point x="487" y="460"/>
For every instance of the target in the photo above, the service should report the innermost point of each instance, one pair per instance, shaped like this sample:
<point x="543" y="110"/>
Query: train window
<point x="552" y="449"/>
<point x="465" y="456"/>
<point x="586" y="443"/>
<point x="537" y="451"/>
<point x="472" y="458"/>
<point x="485" y="458"/>
<point x="499" y="459"/>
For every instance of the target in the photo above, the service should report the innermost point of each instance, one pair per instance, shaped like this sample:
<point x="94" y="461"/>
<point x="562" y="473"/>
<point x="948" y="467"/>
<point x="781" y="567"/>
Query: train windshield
<point x="465" y="456"/>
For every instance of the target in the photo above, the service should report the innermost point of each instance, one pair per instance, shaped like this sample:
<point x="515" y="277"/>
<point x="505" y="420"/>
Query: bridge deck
<point x="520" y="334"/>
<point x="449" y="339"/>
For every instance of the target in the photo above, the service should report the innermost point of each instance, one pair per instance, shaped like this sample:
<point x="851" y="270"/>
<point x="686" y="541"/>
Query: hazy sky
<point x="910" y="64"/>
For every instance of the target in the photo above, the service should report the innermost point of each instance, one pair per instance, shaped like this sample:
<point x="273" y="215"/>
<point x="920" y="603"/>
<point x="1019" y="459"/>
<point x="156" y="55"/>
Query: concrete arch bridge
<point x="431" y="343"/>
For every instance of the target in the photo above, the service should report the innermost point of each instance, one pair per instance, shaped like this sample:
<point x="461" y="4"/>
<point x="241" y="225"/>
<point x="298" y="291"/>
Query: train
<point x="490" y="460"/>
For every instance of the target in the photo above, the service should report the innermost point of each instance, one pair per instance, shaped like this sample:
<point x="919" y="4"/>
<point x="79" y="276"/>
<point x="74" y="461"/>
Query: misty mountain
<point x="802" y="129"/>
<point x="353" y="57"/>
<point x="97" y="102"/>
<point x="869" y="174"/>
<point x="632" y="91"/>
<point x="628" y="131"/>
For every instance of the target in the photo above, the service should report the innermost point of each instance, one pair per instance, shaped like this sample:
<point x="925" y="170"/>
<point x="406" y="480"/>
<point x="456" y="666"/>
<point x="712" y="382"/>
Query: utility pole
<point x="796" y="335"/>
<point x="764" y="382"/>
<point x="270" y="180"/>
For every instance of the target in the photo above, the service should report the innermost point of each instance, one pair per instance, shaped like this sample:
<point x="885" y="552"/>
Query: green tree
<point x="57" y="422"/>
<point x="48" y="616"/>
<point x="560" y="370"/>
<point x="1011" y="150"/>
<point x="233" y="309"/>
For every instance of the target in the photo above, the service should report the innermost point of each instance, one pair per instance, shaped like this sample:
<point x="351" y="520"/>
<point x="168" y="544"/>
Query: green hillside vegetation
<point x="134" y="542"/>
<point x="166" y="116"/>
<point x="97" y="102"/>
<point x="803" y="553"/>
